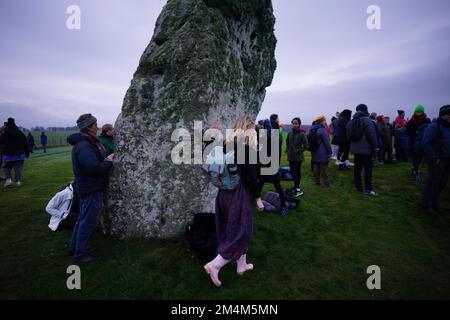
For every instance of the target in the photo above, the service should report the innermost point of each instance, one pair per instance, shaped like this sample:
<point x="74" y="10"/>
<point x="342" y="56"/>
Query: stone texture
<point x="209" y="60"/>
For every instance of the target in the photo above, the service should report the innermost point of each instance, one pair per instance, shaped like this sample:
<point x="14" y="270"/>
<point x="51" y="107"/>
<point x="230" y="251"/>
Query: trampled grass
<point x="320" y="251"/>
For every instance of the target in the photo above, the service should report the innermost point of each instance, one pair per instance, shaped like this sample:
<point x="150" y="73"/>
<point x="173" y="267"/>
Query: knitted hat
<point x="400" y="112"/>
<point x="319" y="119"/>
<point x="419" y="108"/>
<point x="85" y="121"/>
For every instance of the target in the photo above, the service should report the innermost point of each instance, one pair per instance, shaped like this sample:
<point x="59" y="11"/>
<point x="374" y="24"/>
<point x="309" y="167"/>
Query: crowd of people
<point x="371" y="138"/>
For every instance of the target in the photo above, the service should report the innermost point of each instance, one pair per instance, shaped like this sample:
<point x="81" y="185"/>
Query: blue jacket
<point x="323" y="152"/>
<point x="436" y="140"/>
<point x="89" y="167"/>
<point x="43" y="139"/>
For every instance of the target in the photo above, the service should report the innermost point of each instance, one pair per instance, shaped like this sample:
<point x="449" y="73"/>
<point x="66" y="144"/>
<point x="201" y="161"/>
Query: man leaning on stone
<point x="90" y="168"/>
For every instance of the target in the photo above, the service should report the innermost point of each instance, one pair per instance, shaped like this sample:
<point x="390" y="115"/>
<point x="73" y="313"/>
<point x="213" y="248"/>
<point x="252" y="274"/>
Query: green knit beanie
<point x="420" y="108"/>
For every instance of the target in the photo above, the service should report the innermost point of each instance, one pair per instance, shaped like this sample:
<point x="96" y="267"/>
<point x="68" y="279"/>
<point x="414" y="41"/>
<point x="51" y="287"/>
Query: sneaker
<point x="8" y="183"/>
<point x="298" y="193"/>
<point x="349" y="164"/>
<point x="18" y="184"/>
<point x="284" y="212"/>
<point x="371" y="193"/>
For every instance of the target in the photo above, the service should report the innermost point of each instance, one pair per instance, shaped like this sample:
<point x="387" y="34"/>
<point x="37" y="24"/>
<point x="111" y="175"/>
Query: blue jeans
<point x="87" y="221"/>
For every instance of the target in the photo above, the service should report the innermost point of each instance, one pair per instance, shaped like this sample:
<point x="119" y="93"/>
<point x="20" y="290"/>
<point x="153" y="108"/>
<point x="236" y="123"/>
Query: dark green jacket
<point x="296" y="144"/>
<point x="107" y="142"/>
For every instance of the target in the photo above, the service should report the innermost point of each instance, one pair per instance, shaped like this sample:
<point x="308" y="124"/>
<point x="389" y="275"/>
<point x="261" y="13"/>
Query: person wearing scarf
<point x="90" y="167"/>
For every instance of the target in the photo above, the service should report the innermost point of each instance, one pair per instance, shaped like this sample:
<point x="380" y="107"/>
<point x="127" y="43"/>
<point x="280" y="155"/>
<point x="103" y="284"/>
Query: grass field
<point x="320" y="251"/>
<point x="55" y="138"/>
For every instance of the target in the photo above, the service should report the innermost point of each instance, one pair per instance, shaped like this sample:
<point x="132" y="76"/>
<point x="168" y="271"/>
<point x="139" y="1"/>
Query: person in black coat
<point x="30" y="141"/>
<point x="341" y="139"/>
<point x="15" y="150"/>
<point x="90" y="167"/>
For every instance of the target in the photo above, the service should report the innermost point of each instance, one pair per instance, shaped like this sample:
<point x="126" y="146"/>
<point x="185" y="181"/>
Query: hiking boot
<point x="297" y="193"/>
<point x="8" y="183"/>
<point x="371" y="193"/>
<point x="87" y="259"/>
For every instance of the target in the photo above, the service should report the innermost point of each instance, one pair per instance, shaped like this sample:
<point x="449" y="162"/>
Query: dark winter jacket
<point x="296" y="144"/>
<point x="385" y="133"/>
<point x="14" y="141"/>
<point x="89" y="167"/>
<point x="30" y="140"/>
<point x="340" y="130"/>
<point x="413" y="125"/>
<point x="436" y="140"/>
<point x="402" y="139"/>
<point x="368" y="141"/>
<point x="323" y="152"/>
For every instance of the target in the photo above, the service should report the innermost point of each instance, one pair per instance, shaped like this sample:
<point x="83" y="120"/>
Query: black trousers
<point x="438" y="176"/>
<point x="417" y="160"/>
<point x="387" y="152"/>
<point x="365" y="162"/>
<point x="296" y="170"/>
<point x="276" y="181"/>
<point x="344" y="151"/>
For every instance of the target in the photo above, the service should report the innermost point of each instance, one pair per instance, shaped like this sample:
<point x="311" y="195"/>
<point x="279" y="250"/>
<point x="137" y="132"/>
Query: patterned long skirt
<point x="234" y="222"/>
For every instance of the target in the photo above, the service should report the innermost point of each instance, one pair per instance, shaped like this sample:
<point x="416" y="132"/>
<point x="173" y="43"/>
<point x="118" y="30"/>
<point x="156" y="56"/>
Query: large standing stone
<point x="209" y="60"/>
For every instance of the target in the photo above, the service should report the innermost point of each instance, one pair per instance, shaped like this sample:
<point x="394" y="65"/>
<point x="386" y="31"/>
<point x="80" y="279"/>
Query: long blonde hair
<point x="243" y="128"/>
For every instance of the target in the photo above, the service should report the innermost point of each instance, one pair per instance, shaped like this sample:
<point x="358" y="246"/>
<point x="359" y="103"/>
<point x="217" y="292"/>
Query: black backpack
<point x="200" y="236"/>
<point x="313" y="140"/>
<point x="356" y="130"/>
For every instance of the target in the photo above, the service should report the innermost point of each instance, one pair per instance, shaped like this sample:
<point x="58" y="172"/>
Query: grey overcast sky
<point x="327" y="57"/>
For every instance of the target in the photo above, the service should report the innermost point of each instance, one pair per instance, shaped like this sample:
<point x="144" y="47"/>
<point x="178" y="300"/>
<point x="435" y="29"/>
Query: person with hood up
<point x="321" y="155"/>
<point x="340" y="138"/>
<point x="364" y="144"/>
<point x="15" y="151"/>
<point x="90" y="167"/>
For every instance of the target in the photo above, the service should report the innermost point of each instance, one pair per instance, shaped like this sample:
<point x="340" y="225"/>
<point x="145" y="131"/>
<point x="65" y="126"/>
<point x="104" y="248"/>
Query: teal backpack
<point x="220" y="170"/>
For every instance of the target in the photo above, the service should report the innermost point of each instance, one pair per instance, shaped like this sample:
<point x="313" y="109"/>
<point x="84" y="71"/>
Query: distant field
<point x="55" y="138"/>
